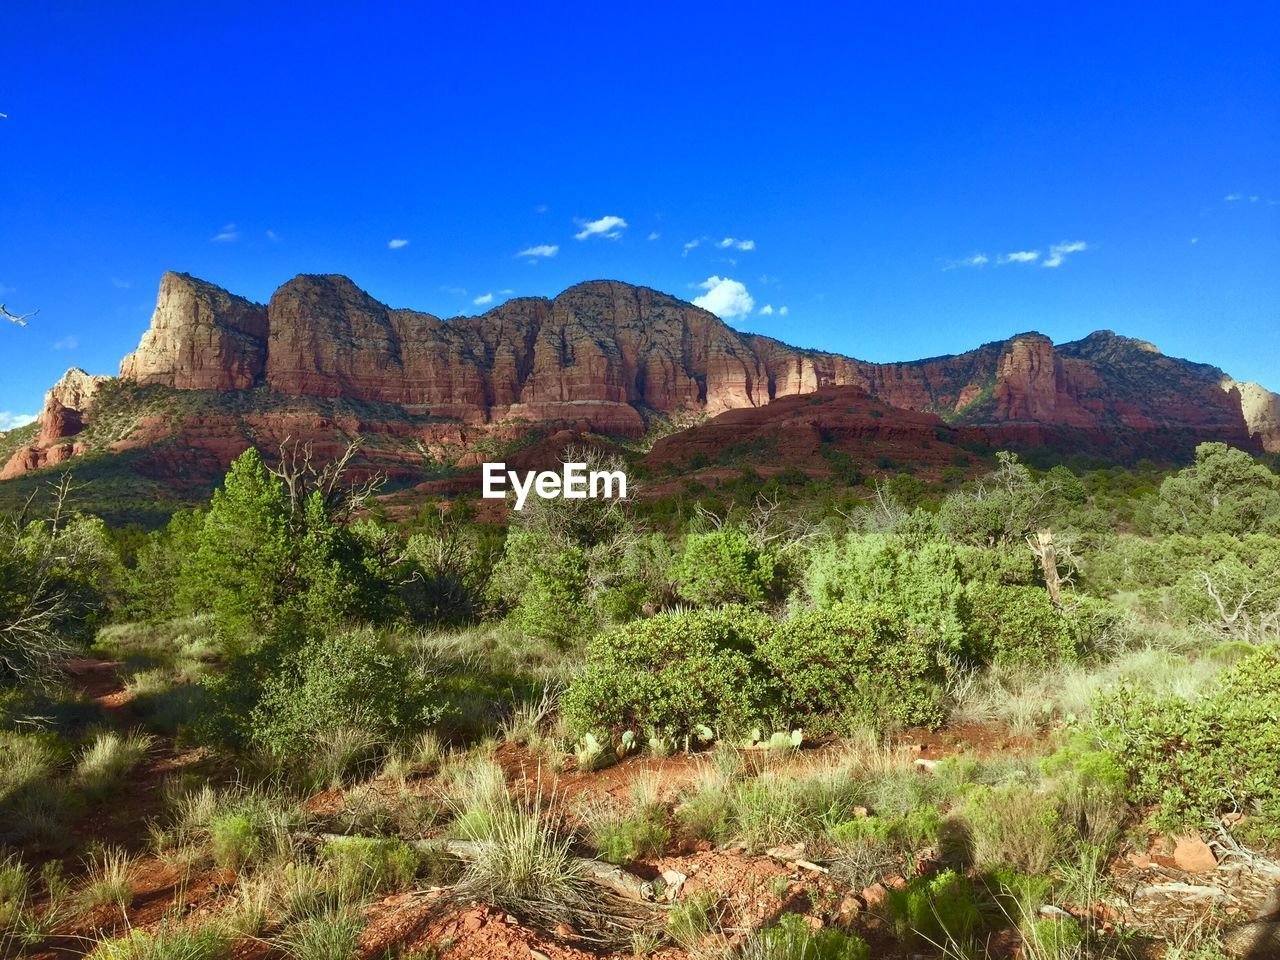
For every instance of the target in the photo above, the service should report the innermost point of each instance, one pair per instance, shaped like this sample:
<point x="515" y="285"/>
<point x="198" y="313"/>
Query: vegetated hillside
<point x="324" y="361"/>
<point x="767" y="727"/>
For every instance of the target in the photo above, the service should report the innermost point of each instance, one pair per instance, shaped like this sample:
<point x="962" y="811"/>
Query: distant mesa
<point x="323" y="360"/>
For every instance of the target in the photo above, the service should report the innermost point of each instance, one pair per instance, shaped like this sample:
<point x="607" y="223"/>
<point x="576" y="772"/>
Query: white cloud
<point x="1230" y="197"/>
<point x="121" y="284"/>
<point x="1195" y="239"/>
<point x="766" y="310"/>
<point x="975" y="260"/>
<point x="541" y="250"/>
<point x="654" y="235"/>
<point x="691" y="245"/>
<point x="505" y="293"/>
<point x="273" y="236"/>
<point x="783" y="311"/>
<point x="484" y="298"/>
<point x="736" y="244"/>
<point x="456" y="291"/>
<point x="227" y="234"/>
<point x="725" y="298"/>
<point x="12" y="421"/>
<point x="608" y="227"/>
<point x="397" y="243"/>
<point x="1058" y="252"/>
<point x="1020" y="256"/>
<point x="67" y="343"/>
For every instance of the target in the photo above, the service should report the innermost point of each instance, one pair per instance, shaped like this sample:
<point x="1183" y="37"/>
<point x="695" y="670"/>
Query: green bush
<point x="543" y="584"/>
<point x="1013" y="826"/>
<point x="1018" y="626"/>
<point x="286" y="700"/>
<point x="922" y="581"/>
<point x="235" y="839"/>
<point x="622" y="841"/>
<point x="854" y="663"/>
<point x="669" y="676"/>
<point x="368" y="866"/>
<point x="942" y="910"/>
<point x="723" y="567"/>
<point x="1201" y="758"/>
<point x="792" y="938"/>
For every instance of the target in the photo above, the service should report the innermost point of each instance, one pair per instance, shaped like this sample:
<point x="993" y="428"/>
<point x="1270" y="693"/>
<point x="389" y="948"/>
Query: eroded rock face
<point x="201" y="338"/>
<point x="1261" y="411"/>
<point x="604" y="356"/>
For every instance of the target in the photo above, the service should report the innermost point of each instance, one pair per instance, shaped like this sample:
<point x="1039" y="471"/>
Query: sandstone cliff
<point x="1261" y="411"/>
<point x="605" y="356"/>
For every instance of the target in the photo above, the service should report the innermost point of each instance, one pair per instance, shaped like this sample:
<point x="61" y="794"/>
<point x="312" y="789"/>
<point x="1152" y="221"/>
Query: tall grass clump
<point x="107" y="759"/>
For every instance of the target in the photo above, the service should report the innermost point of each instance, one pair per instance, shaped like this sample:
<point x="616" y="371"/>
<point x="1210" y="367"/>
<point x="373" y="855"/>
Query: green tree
<point x="725" y="567"/>
<point x="1224" y="491"/>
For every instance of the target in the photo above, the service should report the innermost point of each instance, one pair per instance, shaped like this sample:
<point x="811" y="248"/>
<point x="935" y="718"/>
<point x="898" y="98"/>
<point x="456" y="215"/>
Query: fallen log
<point x="610" y="876"/>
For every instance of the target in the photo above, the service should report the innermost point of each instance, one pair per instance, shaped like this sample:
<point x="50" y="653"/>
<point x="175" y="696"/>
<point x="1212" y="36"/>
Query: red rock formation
<point x="201" y="338"/>
<point x="603" y="357"/>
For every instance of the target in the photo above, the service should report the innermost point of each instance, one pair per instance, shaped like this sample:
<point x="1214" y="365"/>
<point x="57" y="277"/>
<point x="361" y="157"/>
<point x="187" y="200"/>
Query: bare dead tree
<point x="303" y="477"/>
<point x="19" y="320"/>
<point x="1238" y="617"/>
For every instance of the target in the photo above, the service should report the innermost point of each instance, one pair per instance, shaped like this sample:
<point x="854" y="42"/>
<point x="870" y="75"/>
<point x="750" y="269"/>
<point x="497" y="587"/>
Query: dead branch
<point x="19" y="320"/>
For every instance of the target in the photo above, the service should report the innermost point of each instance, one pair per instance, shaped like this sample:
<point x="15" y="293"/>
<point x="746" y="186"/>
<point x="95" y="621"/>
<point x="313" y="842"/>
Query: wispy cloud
<point x="506" y="293"/>
<point x="608" y="227"/>
<point x="766" y="310"/>
<point x="541" y="250"/>
<point x="121" y="284"/>
<point x="1020" y="256"/>
<point x="397" y="244"/>
<point x="731" y="242"/>
<point x="783" y="311"/>
<point x="273" y="236"/>
<point x="724" y="297"/>
<point x="456" y="291"/>
<point x="654" y="235"/>
<point x="68" y="342"/>
<point x="483" y="299"/>
<point x="1059" y="251"/>
<point x="228" y="234"/>
<point x="1249" y="198"/>
<point x="691" y="245"/>
<point x="12" y="421"/>
<point x="541" y="208"/>
<point x="973" y="260"/>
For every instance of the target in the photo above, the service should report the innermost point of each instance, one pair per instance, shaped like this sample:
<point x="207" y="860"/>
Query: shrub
<point x="669" y="676"/>
<point x="921" y="581"/>
<point x="368" y="866"/>
<point x="285" y="701"/>
<point x="1018" y="626"/>
<point x="943" y="910"/>
<point x="792" y="938"/>
<point x="691" y="919"/>
<point x="625" y="839"/>
<point x="854" y="662"/>
<point x="1198" y="759"/>
<point x="723" y="567"/>
<point x="544" y="585"/>
<point x="1013" y="826"/>
<point x="235" y="839"/>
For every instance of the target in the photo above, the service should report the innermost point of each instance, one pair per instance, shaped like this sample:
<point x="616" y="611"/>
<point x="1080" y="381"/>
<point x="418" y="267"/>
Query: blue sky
<point x="886" y="173"/>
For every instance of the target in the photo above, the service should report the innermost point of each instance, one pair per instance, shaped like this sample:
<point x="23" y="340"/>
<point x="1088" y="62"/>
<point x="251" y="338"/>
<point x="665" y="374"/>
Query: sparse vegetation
<point x="345" y="711"/>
